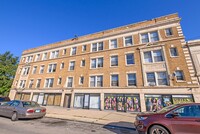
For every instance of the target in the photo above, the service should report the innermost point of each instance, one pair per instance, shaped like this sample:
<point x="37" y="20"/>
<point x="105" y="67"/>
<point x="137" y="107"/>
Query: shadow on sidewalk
<point x="122" y="127"/>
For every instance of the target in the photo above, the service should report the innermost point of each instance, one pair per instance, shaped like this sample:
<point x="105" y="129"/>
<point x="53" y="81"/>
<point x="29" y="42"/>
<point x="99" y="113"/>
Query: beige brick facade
<point x="153" y="57"/>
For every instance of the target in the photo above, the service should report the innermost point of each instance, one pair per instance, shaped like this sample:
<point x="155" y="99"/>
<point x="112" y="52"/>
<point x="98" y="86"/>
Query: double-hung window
<point x="97" y="46"/>
<point x="34" y="70"/>
<point x="54" y="54"/>
<point x="29" y="59"/>
<point x="62" y="65"/>
<point x="168" y="32"/>
<point x="22" y="84"/>
<point x="173" y="52"/>
<point x="81" y="80"/>
<point x="26" y="70"/>
<point x="128" y="41"/>
<point x="131" y="79"/>
<point x="41" y="69"/>
<point x="52" y="68"/>
<point x="59" y="81"/>
<point x="113" y="43"/>
<point x="37" y="58"/>
<point x="44" y="56"/>
<point x="84" y="47"/>
<point x="31" y="84"/>
<point x="115" y="80"/>
<point x="97" y="62"/>
<point x="153" y="56"/>
<point x="96" y="81"/>
<point x="71" y="65"/>
<point x="130" y="59"/>
<point x="179" y="75"/>
<point x="156" y="78"/>
<point x="49" y="82"/>
<point x="82" y="63"/>
<point x="150" y="37"/>
<point x="70" y="82"/>
<point x="73" y="51"/>
<point x="114" y="60"/>
<point x="38" y="83"/>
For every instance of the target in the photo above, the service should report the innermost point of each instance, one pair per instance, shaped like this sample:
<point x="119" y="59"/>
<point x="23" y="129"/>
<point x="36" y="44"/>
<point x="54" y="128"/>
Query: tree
<point x="8" y="67"/>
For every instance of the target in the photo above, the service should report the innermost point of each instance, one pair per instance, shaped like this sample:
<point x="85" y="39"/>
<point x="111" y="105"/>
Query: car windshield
<point x="30" y="104"/>
<point x="166" y="109"/>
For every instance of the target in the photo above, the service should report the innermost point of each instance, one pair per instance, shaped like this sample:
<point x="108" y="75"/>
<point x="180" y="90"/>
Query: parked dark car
<point x="4" y="99"/>
<point x="174" y="119"/>
<point x="17" y="109"/>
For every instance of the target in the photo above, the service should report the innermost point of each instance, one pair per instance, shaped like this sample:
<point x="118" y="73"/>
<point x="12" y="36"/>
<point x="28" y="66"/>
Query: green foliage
<point x="8" y="67"/>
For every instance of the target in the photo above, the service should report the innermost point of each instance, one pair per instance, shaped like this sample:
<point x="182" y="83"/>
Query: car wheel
<point x="14" y="116"/>
<point x="156" y="129"/>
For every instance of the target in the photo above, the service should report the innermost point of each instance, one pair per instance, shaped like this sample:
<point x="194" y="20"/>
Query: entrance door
<point x="86" y="101"/>
<point x="67" y="100"/>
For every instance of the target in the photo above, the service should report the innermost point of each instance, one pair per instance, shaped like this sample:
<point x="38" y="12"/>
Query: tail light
<point x="30" y="111"/>
<point x="43" y="110"/>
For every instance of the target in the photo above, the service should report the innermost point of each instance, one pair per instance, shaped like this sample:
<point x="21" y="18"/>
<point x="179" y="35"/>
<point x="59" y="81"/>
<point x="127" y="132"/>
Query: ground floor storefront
<point x="127" y="101"/>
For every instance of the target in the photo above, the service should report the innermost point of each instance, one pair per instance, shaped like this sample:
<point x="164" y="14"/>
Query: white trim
<point x="116" y="41"/>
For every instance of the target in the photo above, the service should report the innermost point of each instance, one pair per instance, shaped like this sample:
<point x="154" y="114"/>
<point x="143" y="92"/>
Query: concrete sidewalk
<point x="109" y="118"/>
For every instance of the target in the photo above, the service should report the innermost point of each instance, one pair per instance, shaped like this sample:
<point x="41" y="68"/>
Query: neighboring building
<point x="137" y="67"/>
<point x="194" y="47"/>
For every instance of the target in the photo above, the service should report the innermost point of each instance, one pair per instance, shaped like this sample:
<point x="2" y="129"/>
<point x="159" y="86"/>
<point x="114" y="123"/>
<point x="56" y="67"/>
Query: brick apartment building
<point x="133" y="68"/>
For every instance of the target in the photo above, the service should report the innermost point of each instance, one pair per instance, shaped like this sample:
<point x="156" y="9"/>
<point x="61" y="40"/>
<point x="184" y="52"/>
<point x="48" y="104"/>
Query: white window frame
<point x="34" y="70"/>
<point x="62" y="65"/>
<point x="110" y="43"/>
<point x="80" y="80"/>
<point x="42" y="66"/>
<point x="98" y="43"/>
<point x="149" y="37"/>
<point x="82" y="63"/>
<point x="38" y="82"/>
<point x="133" y="59"/>
<point x="171" y="32"/>
<point x="54" y="54"/>
<point x="156" y="78"/>
<point x="37" y="57"/>
<point x="128" y="79"/>
<point x="125" y="41"/>
<point x="68" y="81"/>
<point x="111" y="80"/>
<point x="48" y="85"/>
<point x="95" y="84"/>
<point x="31" y="81"/>
<point x="64" y="51"/>
<point x="26" y="70"/>
<point x="152" y="56"/>
<point x="111" y="60"/>
<point x="44" y="56"/>
<point x="59" y="81"/>
<point x="83" y="50"/>
<point x="29" y="58"/>
<point x="70" y="65"/>
<point x="171" y="53"/>
<point x="53" y="66"/>
<point x="97" y="59"/>
<point x="23" y="85"/>
<point x="73" y="49"/>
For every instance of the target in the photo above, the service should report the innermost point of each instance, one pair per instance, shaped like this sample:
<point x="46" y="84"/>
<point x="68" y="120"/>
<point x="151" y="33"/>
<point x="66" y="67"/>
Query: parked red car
<point x="174" y="119"/>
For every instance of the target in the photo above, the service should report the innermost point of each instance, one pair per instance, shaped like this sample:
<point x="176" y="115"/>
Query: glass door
<point x="86" y="101"/>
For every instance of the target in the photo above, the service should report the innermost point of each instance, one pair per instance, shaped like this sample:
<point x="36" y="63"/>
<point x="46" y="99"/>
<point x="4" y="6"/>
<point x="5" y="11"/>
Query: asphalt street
<point x="57" y="126"/>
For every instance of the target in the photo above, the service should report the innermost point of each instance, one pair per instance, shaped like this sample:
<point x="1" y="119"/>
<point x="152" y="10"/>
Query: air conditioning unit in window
<point x="152" y="83"/>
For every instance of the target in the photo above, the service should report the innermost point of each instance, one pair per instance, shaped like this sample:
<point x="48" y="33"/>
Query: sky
<point x="26" y="24"/>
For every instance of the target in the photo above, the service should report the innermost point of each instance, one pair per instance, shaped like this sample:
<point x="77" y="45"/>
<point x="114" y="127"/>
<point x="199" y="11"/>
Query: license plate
<point x="37" y="111"/>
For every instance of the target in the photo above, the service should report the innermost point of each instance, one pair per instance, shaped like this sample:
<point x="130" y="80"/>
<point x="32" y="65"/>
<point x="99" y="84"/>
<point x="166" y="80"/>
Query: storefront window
<point x="78" y="101"/>
<point x="122" y="102"/>
<point x="182" y="99"/>
<point x="157" y="102"/>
